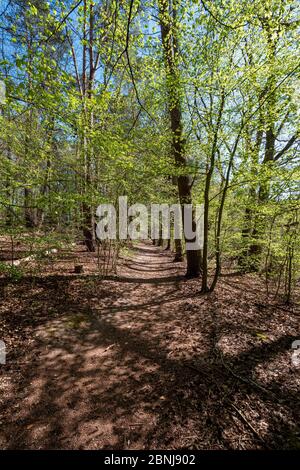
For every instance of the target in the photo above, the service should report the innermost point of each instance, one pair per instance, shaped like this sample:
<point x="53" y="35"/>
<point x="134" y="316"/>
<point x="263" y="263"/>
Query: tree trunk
<point x="210" y="170"/>
<point x="87" y="94"/>
<point x="170" y="47"/>
<point x="255" y="249"/>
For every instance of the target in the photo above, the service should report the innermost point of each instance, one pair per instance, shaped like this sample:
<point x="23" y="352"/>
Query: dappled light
<point x="142" y="362"/>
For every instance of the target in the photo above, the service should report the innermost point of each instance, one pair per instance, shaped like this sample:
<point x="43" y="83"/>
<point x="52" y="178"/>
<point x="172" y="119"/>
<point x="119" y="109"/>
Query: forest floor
<point x="143" y="361"/>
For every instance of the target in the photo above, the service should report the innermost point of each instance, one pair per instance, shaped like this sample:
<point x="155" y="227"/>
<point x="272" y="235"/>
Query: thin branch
<point x="286" y="147"/>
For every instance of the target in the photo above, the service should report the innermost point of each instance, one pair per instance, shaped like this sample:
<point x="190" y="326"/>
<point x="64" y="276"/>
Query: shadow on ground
<point x="144" y="361"/>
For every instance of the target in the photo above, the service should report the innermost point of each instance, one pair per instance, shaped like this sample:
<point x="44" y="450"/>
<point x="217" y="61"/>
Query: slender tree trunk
<point x="45" y="188"/>
<point x="9" y="191"/>
<point x="246" y="258"/>
<point x="220" y="215"/>
<point x="178" y="251"/>
<point x="29" y="211"/>
<point x="255" y="249"/>
<point x="170" y="47"/>
<point x="87" y="92"/>
<point x="211" y="166"/>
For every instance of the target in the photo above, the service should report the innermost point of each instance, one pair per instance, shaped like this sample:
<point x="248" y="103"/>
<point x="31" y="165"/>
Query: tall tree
<point x="169" y="37"/>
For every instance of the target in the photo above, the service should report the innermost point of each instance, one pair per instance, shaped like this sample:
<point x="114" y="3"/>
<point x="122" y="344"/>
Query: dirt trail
<point x="130" y="363"/>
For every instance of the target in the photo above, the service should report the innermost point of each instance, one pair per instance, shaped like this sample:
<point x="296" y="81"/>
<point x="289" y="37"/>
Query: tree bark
<point x="170" y="47"/>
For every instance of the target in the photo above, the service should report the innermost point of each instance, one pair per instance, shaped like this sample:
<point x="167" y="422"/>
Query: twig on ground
<point x="244" y="379"/>
<point x="249" y="425"/>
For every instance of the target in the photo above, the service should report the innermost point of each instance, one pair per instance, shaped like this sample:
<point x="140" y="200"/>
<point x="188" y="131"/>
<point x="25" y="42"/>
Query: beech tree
<point x="193" y="101"/>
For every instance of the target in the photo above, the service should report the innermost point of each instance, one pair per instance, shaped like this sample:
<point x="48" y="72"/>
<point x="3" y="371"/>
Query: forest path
<point x="101" y="371"/>
<point x="130" y="362"/>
